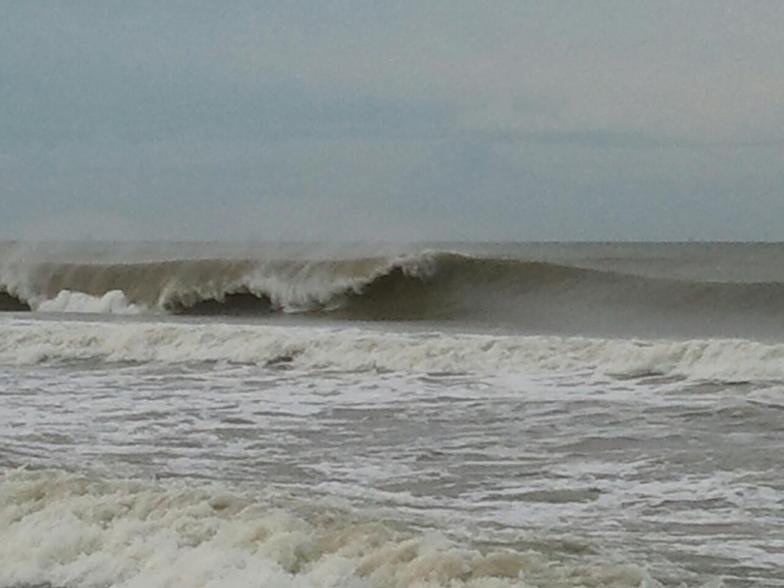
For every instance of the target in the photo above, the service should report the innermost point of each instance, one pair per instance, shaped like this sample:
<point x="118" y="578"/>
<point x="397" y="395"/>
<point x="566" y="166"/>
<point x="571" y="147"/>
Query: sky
<point x="406" y="121"/>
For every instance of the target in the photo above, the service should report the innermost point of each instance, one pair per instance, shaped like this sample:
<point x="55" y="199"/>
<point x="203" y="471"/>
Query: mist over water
<point x="485" y="415"/>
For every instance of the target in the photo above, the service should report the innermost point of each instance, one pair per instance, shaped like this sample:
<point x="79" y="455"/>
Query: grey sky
<point x="515" y="120"/>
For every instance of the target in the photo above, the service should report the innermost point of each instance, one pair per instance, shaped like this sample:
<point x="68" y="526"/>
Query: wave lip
<point x="36" y="341"/>
<point x="298" y="286"/>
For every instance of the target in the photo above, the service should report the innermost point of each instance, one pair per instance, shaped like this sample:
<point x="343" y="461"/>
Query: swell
<point x="434" y="286"/>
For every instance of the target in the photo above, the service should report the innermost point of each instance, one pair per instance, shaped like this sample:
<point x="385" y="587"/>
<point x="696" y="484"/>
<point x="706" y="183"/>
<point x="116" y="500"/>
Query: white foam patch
<point x="33" y="341"/>
<point x="73" y="531"/>
<point x="113" y="302"/>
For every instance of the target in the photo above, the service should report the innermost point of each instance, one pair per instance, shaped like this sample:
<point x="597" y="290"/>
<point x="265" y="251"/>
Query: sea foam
<point x="113" y="302"/>
<point x="67" y="530"/>
<point x="352" y="349"/>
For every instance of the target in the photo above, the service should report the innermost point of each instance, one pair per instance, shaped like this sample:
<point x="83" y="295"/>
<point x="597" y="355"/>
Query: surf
<point x="211" y="535"/>
<point x="42" y="341"/>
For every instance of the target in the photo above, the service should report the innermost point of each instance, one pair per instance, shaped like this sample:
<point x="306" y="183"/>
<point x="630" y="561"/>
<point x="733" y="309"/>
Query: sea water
<point x="374" y="420"/>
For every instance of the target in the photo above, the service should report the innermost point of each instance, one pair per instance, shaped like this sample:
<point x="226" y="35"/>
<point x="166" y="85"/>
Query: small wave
<point x="65" y="530"/>
<point x="30" y="342"/>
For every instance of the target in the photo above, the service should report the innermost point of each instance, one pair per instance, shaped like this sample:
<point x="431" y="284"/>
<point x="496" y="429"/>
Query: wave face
<point x="535" y="296"/>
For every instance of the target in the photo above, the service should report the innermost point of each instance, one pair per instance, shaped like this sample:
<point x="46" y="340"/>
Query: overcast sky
<point x="419" y="120"/>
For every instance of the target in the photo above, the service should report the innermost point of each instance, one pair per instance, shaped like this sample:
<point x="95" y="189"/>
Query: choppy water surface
<point x="181" y="451"/>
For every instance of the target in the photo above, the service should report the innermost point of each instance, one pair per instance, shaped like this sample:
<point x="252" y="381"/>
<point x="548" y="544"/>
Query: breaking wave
<point x="430" y="286"/>
<point x="36" y="341"/>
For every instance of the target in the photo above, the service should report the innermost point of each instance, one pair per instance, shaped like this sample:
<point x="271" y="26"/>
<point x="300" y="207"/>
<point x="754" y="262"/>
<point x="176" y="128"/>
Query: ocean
<point x="363" y="415"/>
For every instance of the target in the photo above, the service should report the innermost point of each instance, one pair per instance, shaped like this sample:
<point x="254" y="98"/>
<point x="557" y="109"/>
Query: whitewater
<point x="480" y="415"/>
